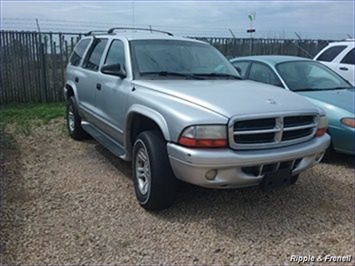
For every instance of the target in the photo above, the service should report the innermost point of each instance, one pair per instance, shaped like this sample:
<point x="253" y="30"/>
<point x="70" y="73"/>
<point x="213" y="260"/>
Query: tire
<point x="154" y="182"/>
<point x="74" y="121"/>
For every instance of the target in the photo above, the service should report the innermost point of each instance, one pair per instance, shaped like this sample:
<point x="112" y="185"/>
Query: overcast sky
<point x="316" y="19"/>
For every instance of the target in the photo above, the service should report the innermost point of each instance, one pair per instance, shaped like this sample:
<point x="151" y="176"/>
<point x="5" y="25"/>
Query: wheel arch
<point x="139" y="119"/>
<point x="70" y="90"/>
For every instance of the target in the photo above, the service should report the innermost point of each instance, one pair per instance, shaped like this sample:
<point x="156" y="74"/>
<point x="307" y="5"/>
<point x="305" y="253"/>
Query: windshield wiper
<point x="168" y="73"/>
<point x="213" y="74"/>
<point x="323" y="89"/>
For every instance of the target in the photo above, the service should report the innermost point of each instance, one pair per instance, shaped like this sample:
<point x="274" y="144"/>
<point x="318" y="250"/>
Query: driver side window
<point x="116" y="54"/>
<point x="262" y="73"/>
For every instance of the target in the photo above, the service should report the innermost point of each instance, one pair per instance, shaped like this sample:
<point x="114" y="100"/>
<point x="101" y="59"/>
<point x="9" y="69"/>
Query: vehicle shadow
<point x="121" y="165"/>
<point x="339" y="159"/>
<point x="314" y="204"/>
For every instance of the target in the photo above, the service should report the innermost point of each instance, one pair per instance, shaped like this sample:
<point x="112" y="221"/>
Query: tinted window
<point x="79" y="51"/>
<point x="92" y="61"/>
<point x="349" y="58"/>
<point x="309" y="75"/>
<point x="332" y="52"/>
<point x="241" y="67"/>
<point x="115" y="54"/>
<point x="262" y="73"/>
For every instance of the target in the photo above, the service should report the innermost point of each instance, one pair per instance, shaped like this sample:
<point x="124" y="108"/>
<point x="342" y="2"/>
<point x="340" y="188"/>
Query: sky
<point x="276" y="19"/>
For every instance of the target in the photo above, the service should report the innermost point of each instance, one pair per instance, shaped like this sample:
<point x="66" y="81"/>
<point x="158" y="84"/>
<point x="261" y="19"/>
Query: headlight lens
<point x="204" y="136"/>
<point x="350" y="122"/>
<point x="322" y="126"/>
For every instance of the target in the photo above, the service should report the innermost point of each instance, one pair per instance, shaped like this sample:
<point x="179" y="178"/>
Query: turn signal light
<point x="320" y="132"/>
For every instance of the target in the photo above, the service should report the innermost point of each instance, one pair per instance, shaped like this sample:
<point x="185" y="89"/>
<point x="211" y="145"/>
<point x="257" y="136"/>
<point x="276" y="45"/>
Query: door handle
<point x="98" y="86"/>
<point x="76" y="79"/>
<point x="343" y="68"/>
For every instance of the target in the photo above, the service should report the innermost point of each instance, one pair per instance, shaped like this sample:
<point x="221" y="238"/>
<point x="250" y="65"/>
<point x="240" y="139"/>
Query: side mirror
<point x="238" y="69"/>
<point x="114" y="70"/>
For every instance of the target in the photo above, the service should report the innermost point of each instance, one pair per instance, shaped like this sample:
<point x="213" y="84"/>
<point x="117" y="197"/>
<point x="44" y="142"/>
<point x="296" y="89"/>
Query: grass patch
<point x="25" y="116"/>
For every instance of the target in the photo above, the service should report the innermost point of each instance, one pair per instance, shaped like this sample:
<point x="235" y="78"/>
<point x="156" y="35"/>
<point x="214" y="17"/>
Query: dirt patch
<point x="69" y="202"/>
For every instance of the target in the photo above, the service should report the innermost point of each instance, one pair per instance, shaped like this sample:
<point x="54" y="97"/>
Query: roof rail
<point x="93" y="32"/>
<point x="144" y="29"/>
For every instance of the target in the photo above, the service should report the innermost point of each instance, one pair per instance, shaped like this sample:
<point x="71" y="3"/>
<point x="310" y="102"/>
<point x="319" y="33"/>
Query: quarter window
<point x="262" y="73"/>
<point x="116" y="54"/>
<point x="79" y="51"/>
<point x="332" y="52"/>
<point x="349" y="58"/>
<point x="93" y="58"/>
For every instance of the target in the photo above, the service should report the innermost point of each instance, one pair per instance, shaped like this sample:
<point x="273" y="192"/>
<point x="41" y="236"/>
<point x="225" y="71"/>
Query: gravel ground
<point x="68" y="202"/>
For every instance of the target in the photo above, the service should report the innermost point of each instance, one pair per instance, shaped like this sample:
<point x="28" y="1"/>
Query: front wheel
<point x="154" y="182"/>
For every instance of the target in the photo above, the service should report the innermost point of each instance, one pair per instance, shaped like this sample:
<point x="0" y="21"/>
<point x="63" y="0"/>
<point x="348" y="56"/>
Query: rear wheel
<point x="74" y="121"/>
<point x="154" y="182"/>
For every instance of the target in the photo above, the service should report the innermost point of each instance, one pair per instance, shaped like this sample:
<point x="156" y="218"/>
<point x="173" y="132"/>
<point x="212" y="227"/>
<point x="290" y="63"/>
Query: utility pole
<point x="251" y="17"/>
<point x="232" y="33"/>
<point x="39" y="29"/>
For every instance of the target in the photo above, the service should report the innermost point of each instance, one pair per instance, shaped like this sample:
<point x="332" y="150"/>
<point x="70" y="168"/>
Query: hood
<point x="231" y="97"/>
<point x="343" y="99"/>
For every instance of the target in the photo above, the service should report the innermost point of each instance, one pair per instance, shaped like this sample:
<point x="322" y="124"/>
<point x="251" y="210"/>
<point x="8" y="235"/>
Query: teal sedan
<point x="316" y="82"/>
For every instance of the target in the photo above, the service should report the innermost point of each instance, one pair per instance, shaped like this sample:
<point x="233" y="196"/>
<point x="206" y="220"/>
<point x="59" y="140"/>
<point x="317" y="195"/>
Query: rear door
<point x="75" y="73"/>
<point x="89" y="80"/>
<point x="330" y="56"/>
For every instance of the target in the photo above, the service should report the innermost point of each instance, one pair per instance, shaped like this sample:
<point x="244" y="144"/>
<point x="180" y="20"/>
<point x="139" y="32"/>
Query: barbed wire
<point x="9" y="23"/>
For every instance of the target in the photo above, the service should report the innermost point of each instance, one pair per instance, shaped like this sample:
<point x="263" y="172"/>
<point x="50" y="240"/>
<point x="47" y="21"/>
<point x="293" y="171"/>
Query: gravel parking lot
<point x="73" y="202"/>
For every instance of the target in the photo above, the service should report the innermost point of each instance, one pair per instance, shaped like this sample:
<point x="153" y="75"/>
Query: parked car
<point x="178" y="110"/>
<point x="318" y="83"/>
<point x="339" y="56"/>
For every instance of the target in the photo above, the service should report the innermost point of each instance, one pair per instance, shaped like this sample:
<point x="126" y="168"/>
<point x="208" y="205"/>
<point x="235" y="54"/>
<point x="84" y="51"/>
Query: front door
<point x="111" y="99"/>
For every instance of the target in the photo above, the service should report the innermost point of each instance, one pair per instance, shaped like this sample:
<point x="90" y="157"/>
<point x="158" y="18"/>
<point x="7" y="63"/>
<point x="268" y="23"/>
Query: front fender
<point x="150" y="113"/>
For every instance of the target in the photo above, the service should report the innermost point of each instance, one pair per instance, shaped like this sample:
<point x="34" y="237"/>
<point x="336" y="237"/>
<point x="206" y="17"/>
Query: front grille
<point x="261" y="170"/>
<point x="271" y="132"/>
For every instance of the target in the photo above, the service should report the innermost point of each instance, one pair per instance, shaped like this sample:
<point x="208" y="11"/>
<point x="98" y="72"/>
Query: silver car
<point x="178" y="110"/>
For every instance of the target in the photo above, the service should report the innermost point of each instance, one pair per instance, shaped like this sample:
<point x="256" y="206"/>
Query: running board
<point x="105" y="140"/>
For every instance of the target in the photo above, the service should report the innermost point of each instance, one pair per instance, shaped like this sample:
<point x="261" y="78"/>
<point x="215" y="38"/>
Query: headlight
<point x="322" y="126"/>
<point x="350" y="122"/>
<point x="204" y="136"/>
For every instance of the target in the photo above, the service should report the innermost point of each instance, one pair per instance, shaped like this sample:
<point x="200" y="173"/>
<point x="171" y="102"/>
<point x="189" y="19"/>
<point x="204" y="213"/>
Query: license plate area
<point x="276" y="180"/>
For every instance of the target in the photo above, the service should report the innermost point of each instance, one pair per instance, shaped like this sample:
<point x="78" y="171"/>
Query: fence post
<point x="44" y="69"/>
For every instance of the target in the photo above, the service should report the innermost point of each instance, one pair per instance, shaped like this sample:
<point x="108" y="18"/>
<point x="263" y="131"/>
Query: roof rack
<point x="132" y="28"/>
<point x="93" y="32"/>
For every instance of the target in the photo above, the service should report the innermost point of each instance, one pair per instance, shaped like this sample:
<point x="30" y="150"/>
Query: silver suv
<point x="178" y="110"/>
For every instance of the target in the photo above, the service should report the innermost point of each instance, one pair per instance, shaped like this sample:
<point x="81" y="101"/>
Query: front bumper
<point x="242" y="168"/>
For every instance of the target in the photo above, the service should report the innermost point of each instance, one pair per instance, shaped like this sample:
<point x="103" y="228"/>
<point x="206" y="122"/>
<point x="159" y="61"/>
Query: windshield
<point x="179" y="59"/>
<point x="310" y="75"/>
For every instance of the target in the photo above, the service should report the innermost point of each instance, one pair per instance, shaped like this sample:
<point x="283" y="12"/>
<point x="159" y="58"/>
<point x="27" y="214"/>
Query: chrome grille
<point x="274" y="131"/>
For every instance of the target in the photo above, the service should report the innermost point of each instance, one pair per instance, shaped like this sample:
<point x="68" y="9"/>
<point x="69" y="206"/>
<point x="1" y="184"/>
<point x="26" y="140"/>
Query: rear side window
<point x="79" y="51"/>
<point x="332" y="52"/>
<point x="349" y="58"/>
<point x="92" y="60"/>
<point x="241" y="67"/>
